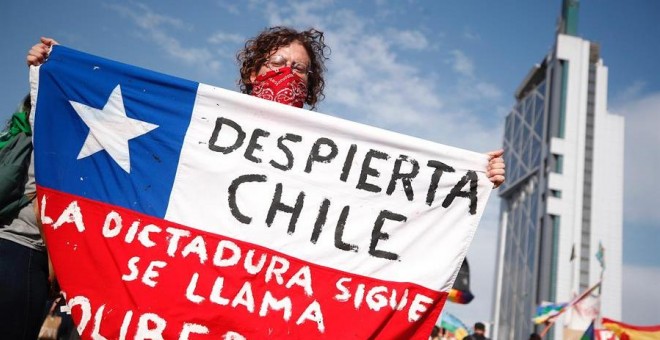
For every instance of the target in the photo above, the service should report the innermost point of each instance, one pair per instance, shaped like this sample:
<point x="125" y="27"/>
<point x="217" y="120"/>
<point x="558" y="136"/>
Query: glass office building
<point x="564" y="191"/>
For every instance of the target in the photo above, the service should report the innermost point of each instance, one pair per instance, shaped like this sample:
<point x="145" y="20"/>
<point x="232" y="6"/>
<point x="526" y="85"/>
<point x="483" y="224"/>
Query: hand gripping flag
<point x="177" y="210"/>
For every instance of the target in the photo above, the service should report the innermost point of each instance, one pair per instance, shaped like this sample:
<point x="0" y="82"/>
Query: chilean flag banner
<point x="178" y="210"/>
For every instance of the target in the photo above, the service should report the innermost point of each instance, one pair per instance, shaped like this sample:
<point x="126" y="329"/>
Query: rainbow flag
<point x="454" y="325"/>
<point x="631" y="332"/>
<point x="460" y="296"/>
<point x="460" y="291"/>
<point x="547" y="310"/>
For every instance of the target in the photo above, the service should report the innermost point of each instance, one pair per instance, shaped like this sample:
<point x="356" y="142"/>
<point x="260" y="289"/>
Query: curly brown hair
<point x="257" y="50"/>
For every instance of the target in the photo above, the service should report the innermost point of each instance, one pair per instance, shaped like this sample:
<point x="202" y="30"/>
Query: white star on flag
<point x="110" y="129"/>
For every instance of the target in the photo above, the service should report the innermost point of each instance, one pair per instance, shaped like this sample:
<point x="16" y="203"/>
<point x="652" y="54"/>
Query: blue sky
<point x="440" y="70"/>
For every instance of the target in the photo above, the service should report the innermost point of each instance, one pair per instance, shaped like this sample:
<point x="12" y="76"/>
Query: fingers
<point x="497" y="180"/>
<point x="37" y="55"/>
<point x="48" y="41"/>
<point x="496" y="175"/>
<point x="496" y="163"/>
<point x="495" y="153"/>
<point x="496" y="168"/>
<point x="39" y="52"/>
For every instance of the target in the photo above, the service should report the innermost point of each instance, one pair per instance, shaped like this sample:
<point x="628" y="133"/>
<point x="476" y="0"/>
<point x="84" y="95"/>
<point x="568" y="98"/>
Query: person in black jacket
<point x="479" y="332"/>
<point x="24" y="276"/>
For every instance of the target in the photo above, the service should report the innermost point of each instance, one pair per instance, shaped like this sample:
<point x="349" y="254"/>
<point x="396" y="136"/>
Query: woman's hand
<point x="495" y="170"/>
<point x="39" y="52"/>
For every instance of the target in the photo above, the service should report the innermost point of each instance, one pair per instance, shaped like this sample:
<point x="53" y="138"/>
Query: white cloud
<point x="488" y="90"/>
<point x="642" y="147"/>
<point x="223" y="37"/>
<point x="470" y="86"/>
<point x="409" y="39"/>
<point x="229" y="7"/>
<point x="151" y="20"/>
<point x="155" y="28"/>
<point x="226" y="45"/>
<point x="370" y="79"/>
<point x="299" y="14"/>
<point x="467" y="34"/>
<point x="462" y="64"/>
<point x="641" y="301"/>
<point x="629" y="94"/>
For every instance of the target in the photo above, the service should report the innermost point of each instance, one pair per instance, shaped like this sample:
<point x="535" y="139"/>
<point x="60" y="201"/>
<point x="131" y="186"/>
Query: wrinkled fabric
<point x="281" y="86"/>
<point x="254" y="219"/>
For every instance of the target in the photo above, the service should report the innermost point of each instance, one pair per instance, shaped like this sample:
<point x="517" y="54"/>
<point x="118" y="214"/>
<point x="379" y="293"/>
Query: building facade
<point x="563" y="197"/>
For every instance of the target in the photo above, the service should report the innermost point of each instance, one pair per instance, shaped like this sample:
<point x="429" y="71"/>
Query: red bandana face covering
<point x="281" y="86"/>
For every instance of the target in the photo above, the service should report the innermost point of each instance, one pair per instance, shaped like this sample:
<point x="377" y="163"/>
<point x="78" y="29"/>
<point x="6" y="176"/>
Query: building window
<point x="558" y="163"/>
<point x="555" y="193"/>
<point x="555" y="223"/>
<point x="564" y="93"/>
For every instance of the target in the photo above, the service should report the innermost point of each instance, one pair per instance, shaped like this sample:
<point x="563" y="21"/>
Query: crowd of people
<point x="440" y="333"/>
<point x="279" y="64"/>
<point x="479" y="333"/>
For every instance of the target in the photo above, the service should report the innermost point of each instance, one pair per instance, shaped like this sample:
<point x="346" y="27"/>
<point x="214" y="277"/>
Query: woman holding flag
<point x="287" y="66"/>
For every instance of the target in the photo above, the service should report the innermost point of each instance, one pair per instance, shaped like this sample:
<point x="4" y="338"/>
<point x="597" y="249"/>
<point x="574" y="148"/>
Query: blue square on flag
<point x="121" y="137"/>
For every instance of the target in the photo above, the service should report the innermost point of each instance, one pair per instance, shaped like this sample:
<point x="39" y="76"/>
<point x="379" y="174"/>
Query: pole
<point x="599" y="318"/>
<point x="598" y="323"/>
<point x="547" y="328"/>
<point x="570" y="305"/>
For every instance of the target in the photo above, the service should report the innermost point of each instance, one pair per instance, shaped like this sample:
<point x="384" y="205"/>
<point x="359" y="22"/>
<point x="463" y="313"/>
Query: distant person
<point x="479" y="332"/>
<point x="435" y="333"/>
<point x="24" y="275"/>
<point x="443" y="334"/>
